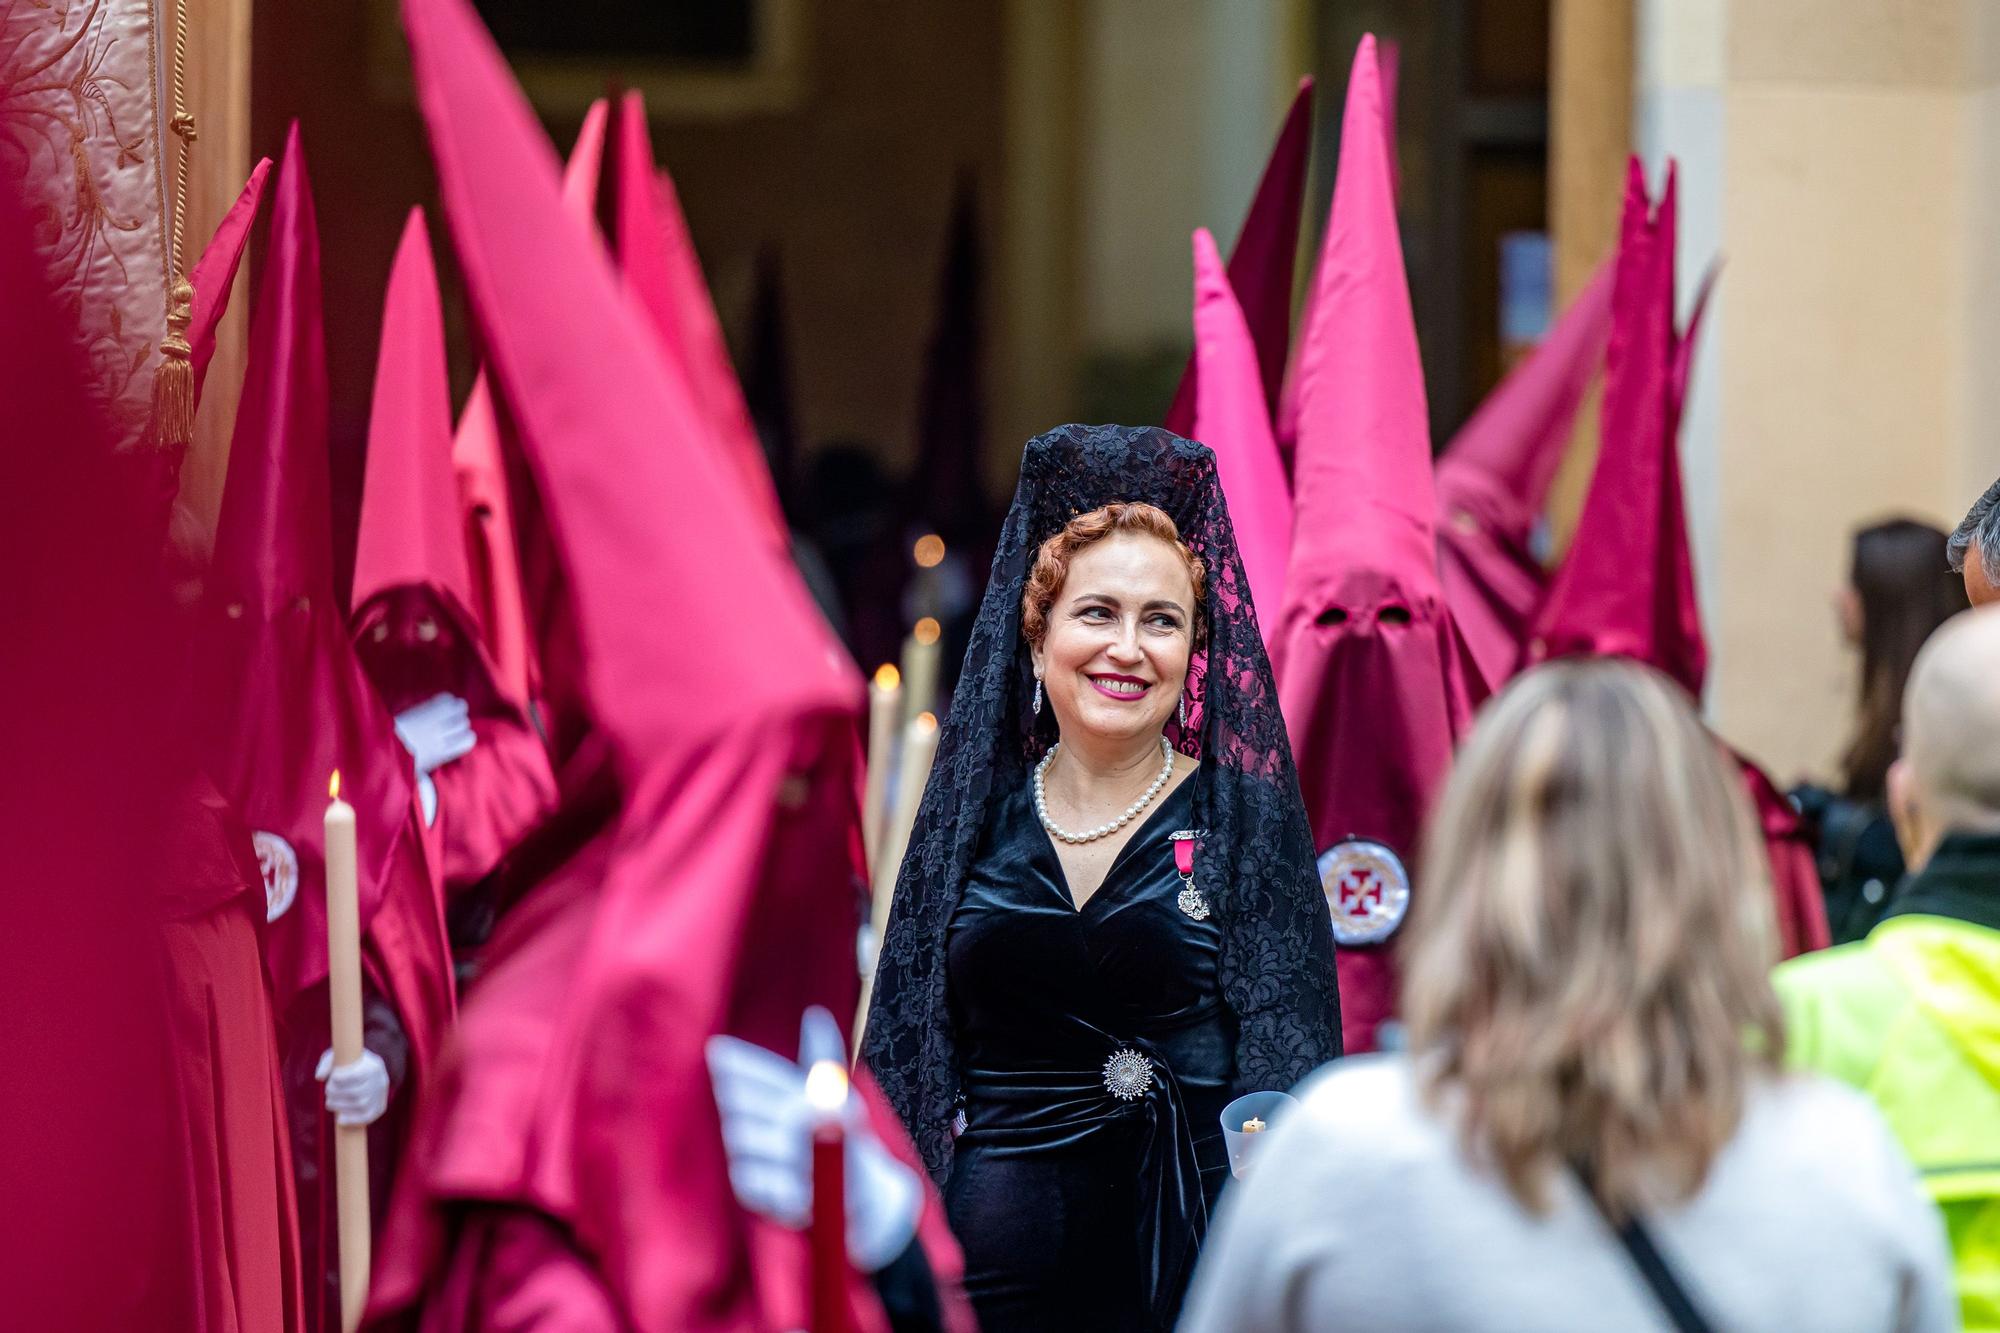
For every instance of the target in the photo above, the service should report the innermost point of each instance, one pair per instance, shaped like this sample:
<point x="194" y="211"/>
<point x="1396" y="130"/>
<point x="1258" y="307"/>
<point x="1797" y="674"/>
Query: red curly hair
<point x="1051" y="566"/>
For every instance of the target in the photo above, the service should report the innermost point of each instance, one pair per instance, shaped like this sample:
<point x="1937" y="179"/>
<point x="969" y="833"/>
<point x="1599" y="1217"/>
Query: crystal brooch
<point x="1128" y="1075"/>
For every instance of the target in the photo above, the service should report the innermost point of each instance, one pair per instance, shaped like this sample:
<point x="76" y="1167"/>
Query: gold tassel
<point x="173" y="385"/>
<point x="172" y="426"/>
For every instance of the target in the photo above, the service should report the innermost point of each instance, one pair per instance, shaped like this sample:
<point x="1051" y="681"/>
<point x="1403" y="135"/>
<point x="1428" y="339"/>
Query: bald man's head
<point x="1951" y="733"/>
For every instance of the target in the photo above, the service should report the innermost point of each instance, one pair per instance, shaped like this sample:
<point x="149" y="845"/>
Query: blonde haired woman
<point x="1590" y="1129"/>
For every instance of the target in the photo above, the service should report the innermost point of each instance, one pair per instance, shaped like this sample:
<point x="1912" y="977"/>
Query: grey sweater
<point x="1363" y="1213"/>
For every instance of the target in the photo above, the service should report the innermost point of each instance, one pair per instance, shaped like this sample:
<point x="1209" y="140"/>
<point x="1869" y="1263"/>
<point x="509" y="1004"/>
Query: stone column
<point x="1845" y="162"/>
<point x="1590" y="136"/>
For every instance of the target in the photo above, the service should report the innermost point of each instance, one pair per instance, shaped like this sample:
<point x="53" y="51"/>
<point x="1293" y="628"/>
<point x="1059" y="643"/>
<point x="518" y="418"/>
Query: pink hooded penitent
<point x="1262" y="264"/>
<point x="1231" y="418"/>
<point x="724" y="901"/>
<point x="1368" y="662"/>
<point x="412" y="543"/>
<point x="291" y="705"/>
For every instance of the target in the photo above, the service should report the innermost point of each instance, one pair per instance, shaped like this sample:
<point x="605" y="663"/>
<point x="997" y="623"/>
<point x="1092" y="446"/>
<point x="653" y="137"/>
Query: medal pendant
<point x="1190" y="900"/>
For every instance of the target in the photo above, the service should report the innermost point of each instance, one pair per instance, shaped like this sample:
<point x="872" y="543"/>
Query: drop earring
<point x="1183" y="710"/>
<point x="1036" y="706"/>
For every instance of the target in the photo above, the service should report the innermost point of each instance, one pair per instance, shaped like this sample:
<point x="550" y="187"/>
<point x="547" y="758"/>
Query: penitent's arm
<point x="489" y="798"/>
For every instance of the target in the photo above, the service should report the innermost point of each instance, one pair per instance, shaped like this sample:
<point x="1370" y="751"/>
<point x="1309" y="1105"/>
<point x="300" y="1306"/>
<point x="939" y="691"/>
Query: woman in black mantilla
<point x="1109" y="922"/>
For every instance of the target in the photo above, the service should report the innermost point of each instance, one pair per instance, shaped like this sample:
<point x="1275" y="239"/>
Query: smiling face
<point x="1114" y="657"/>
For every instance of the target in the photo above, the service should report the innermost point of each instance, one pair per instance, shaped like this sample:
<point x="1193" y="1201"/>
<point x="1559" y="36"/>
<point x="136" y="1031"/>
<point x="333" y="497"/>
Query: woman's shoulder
<point x="1799" y="1124"/>
<point x="1815" y="1159"/>
<point x="1371" y="1108"/>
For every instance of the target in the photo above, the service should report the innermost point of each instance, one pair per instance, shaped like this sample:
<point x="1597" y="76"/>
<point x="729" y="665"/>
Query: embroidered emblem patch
<point x="1367" y="890"/>
<point x="280" y="865"/>
<point x="1127" y="1075"/>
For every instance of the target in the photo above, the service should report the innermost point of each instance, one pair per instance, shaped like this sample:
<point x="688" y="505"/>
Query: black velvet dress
<point x="1078" y="1207"/>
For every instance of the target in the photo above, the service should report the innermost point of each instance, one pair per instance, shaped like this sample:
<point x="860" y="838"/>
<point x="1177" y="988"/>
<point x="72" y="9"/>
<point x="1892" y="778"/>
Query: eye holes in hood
<point x="1394" y="613"/>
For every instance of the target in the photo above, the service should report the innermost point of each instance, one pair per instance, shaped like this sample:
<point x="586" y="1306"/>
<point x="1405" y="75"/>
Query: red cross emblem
<point x="1367" y="890"/>
<point x="1356" y="888"/>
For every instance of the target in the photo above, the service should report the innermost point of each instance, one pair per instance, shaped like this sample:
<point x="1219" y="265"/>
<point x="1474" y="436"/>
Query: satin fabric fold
<point x="214" y="273"/>
<point x="1082" y="1209"/>
<point x="1043" y="1109"/>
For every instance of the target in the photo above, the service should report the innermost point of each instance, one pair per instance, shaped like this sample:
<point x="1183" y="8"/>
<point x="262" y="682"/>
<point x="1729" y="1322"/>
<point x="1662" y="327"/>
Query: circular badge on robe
<point x="1367" y="890"/>
<point x="280" y="865"/>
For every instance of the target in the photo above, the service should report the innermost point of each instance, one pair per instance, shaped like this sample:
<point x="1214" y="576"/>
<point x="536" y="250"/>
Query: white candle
<point x="921" y="651"/>
<point x="885" y="710"/>
<point x="343" y="983"/>
<point x="913" y="772"/>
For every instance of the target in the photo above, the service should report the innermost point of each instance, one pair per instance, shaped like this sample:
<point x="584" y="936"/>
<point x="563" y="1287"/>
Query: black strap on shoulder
<point x="1652" y="1265"/>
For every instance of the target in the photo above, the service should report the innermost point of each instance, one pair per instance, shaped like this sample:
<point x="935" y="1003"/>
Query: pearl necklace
<point x="1102" y="830"/>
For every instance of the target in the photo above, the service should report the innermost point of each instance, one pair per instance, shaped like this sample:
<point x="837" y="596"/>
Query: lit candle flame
<point x="826" y="1087"/>
<point x="929" y="551"/>
<point x="925" y="721"/>
<point x="887" y="677"/>
<point x="333" y="787"/>
<point x="927" y="630"/>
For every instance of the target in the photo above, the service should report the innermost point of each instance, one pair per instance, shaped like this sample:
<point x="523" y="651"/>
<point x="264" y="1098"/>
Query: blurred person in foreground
<point x="1974" y="548"/>
<point x="1593" y="1070"/>
<point x="1911" y="1014"/>
<point x="1898" y="591"/>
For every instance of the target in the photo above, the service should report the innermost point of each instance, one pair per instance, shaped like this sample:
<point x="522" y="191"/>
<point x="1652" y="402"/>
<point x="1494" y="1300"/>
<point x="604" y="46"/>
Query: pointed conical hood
<point x="1231" y="418"/>
<point x="487" y="516"/>
<point x="411" y="534"/>
<point x="290" y="701"/>
<point x="273" y="542"/>
<point x="1494" y="478"/>
<point x="215" y="272"/>
<point x="656" y="252"/>
<point x="1368" y="661"/>
<point x="568" y="354"/>
<point x="1362" y="478"/>
<point x="1262" y="264"/>
<point x="1626" y="587"/>
<point x="726" y="885"/>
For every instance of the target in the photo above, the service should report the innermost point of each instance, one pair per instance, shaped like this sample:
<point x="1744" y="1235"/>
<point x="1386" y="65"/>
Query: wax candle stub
<point x="1253" y="1125"/>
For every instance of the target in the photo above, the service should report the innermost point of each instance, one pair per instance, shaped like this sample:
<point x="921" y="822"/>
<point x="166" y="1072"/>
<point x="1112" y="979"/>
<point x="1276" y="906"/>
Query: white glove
<point x="767" y="1130"/>
<point x="436" y="731"/>
<point x="357" y="1094"/>
<point x="427" y="798"/>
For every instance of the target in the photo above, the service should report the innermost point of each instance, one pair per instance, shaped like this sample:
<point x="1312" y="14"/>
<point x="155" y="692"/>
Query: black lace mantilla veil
<point x="1255" y="858"/>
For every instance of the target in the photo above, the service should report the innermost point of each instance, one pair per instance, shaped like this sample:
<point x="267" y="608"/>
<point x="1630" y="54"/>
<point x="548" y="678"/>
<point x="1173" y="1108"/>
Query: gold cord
<point x="173" y="386"/>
